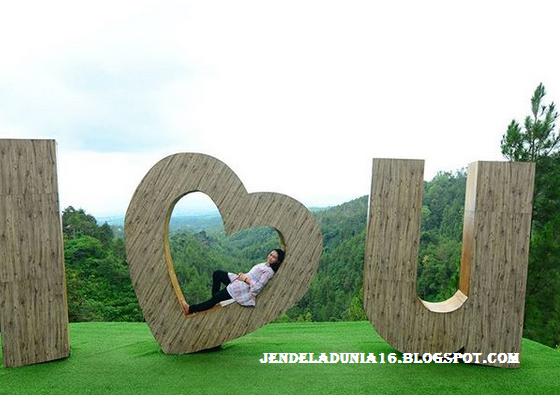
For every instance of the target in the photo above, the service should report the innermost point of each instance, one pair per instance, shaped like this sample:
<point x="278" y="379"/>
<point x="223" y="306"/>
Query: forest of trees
<point x="97" y="280"/>
<point x="99" y="287"/>
<point x="538" y="141"/>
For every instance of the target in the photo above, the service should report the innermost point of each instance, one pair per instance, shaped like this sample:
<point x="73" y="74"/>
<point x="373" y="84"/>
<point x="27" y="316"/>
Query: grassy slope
<point x="124" y="358"/>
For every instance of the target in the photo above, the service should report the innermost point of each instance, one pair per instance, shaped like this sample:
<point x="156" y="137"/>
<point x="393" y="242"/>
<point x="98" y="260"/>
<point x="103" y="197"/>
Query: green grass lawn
<point x="124" y="358"/>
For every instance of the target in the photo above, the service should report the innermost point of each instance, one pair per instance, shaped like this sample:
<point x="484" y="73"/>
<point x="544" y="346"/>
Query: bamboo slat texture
<point x="33" y="306"/>
<point x="486" y="313"/>
<point x="151" y="266"/>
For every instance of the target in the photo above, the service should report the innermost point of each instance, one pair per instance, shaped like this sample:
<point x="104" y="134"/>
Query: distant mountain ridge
<point x="203" y="219"/>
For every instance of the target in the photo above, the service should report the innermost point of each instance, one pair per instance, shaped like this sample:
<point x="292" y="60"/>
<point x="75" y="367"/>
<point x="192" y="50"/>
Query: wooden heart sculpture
<point x="151" y="266"/>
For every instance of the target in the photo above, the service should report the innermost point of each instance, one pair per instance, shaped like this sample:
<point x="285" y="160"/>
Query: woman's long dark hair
<point x="281" y="255"/>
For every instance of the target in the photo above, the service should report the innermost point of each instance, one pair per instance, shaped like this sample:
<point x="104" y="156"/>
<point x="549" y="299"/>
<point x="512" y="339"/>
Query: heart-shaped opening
<point x="199" y="245"/>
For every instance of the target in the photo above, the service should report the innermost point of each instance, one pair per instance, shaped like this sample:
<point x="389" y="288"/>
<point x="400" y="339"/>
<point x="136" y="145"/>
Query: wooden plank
<point x="151" y="266"/>
<point x="33" y="306"/>
<point x="486" y="313"/>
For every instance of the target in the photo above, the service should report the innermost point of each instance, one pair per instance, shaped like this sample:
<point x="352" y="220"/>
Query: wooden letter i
<point x="33" y="306"/>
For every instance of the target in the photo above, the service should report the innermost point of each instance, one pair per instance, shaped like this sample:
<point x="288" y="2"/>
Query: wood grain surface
<point x="151" y="266"/>
<point x="486" y="313"/>
<point x="33" y="305"/>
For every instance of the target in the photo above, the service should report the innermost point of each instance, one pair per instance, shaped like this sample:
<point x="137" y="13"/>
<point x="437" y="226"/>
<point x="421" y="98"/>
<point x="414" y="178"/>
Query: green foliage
<point x="77" y="223"/>
<point x="355" y="311"/>
<point x="542" y="315"/>
<point x="335" y="292"/>
<point x="540" y="143"/>
<point x="443" y="204"/>
<point x="342" y="222"/>
<point x="438" y="269"/>
<point x="97" y="280"/>
<point x="546" y="198"/>
<point x="439" y="258"/>
<point x="539" y="139"/>
<point x="337" y="283"/>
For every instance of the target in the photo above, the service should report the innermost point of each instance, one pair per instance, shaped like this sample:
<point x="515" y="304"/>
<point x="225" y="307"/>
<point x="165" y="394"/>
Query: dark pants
<point x="219" y="277"/>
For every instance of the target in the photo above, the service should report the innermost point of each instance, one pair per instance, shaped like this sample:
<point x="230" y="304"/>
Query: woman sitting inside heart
<point x="242" y="287"/>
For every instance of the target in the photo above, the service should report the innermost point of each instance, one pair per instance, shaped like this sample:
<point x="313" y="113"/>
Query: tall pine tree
<point x="538" y="141"/>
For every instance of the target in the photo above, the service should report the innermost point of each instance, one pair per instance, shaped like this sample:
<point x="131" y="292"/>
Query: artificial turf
<point x="124" y="358"/>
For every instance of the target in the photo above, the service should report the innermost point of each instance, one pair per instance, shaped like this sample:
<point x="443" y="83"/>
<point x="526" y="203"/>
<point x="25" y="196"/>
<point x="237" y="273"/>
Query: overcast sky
<point x="297" y="97"/>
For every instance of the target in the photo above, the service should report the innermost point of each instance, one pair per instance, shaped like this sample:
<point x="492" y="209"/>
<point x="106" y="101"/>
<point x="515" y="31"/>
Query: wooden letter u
<point x="486" y="313"/>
